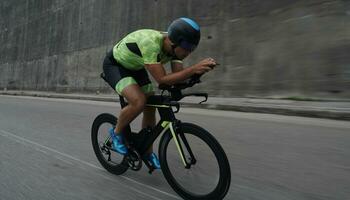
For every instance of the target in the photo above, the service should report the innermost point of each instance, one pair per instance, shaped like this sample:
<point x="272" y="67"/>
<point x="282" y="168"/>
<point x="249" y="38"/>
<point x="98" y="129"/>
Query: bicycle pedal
<point x="134" y="160"/>
<point x="149" y="165"/>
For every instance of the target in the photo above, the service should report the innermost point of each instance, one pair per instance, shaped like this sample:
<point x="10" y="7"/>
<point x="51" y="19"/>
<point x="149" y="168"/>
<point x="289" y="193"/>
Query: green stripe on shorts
<point x="147" y="88"/>
<point x="124" y="83"/>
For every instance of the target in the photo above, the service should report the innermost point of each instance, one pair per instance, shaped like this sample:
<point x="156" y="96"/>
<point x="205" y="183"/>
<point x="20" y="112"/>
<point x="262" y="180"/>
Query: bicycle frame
<point x="167" y="122"/>
<point x="171" y="129"/>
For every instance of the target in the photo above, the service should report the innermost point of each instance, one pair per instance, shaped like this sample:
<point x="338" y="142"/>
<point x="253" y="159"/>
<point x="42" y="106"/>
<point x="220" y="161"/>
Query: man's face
<point x="181" y="53"/>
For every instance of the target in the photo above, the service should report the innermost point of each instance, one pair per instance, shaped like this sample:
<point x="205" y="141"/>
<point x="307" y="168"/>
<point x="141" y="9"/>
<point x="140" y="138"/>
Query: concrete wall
<point x="266" y="48"/>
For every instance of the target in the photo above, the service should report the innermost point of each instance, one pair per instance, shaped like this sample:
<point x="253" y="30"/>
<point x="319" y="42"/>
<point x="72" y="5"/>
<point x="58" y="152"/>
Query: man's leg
<point x="136" y="103"/>
<point x="149" y="119"/>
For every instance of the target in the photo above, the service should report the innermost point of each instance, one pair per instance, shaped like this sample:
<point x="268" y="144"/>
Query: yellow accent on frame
<point x="177" y="143"/>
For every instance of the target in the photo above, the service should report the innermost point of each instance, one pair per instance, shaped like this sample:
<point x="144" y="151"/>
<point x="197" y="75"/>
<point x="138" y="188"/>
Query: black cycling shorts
<point x="118" y="77"/>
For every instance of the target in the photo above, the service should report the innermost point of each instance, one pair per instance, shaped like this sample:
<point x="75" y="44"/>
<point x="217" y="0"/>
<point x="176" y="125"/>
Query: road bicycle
<point x="192" y="160"/>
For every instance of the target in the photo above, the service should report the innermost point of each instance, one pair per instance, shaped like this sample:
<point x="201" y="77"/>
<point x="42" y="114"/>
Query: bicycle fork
<point x="176" y="131"/>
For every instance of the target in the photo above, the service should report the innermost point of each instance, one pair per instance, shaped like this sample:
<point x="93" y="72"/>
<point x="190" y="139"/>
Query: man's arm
<point x="176" y="66"/>
<point x="159" y="74"/>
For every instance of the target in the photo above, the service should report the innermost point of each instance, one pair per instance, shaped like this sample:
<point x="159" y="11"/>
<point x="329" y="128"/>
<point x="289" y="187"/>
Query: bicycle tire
<point x="99" y="120"/>
<point x="224" y="182"/>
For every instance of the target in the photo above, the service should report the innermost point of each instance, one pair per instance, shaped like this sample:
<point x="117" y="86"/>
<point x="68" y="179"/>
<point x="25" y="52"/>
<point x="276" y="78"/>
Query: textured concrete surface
<point x="46" y="153"/>
<point x="266" y="48"/>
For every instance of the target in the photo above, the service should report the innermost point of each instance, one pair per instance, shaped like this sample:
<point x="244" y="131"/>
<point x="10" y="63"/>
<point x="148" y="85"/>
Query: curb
<point x="337" y="115"/>
<point x="280" y="111"/>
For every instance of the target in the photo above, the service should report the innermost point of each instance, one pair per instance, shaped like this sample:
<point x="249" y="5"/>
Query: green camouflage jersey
<point x="141" y="47"/>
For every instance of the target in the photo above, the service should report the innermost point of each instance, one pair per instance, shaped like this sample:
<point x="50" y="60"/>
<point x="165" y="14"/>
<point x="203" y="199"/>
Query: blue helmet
<point x="185" y="33"/>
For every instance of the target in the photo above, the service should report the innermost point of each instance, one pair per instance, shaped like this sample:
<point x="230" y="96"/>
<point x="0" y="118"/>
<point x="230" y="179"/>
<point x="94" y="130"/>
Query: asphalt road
<point x="46" y="153"/>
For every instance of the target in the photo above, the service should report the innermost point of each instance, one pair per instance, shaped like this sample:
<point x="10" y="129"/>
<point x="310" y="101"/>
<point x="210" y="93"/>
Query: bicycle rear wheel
<point x="209" y="176"/>
<point x="101" y="143"/>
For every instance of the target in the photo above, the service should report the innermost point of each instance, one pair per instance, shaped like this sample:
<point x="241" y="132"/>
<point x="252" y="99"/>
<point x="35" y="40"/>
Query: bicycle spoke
<point x="107" y="140"/>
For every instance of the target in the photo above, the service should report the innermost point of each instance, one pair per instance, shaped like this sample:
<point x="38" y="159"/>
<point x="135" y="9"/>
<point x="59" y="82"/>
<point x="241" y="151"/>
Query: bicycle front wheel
<point x="209" y="175"/>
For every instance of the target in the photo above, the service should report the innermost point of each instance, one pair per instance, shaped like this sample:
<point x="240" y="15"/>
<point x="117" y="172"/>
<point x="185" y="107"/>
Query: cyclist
<point x="146" y="50"/>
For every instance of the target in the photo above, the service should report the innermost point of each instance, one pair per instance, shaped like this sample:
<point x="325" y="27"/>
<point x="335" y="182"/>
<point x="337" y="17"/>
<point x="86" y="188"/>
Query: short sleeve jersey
<point x="141" y="47"/>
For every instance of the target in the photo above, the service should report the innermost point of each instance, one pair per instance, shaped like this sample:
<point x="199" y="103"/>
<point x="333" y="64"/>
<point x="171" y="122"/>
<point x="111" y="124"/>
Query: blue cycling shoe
<point x="118" y="143"/>
<point x="154" y="161"/>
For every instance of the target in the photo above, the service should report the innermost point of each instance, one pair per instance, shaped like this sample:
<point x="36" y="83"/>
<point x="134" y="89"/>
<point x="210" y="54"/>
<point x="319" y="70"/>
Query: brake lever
<point x="206" y="99"/>
<point x="205" y="95"/>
